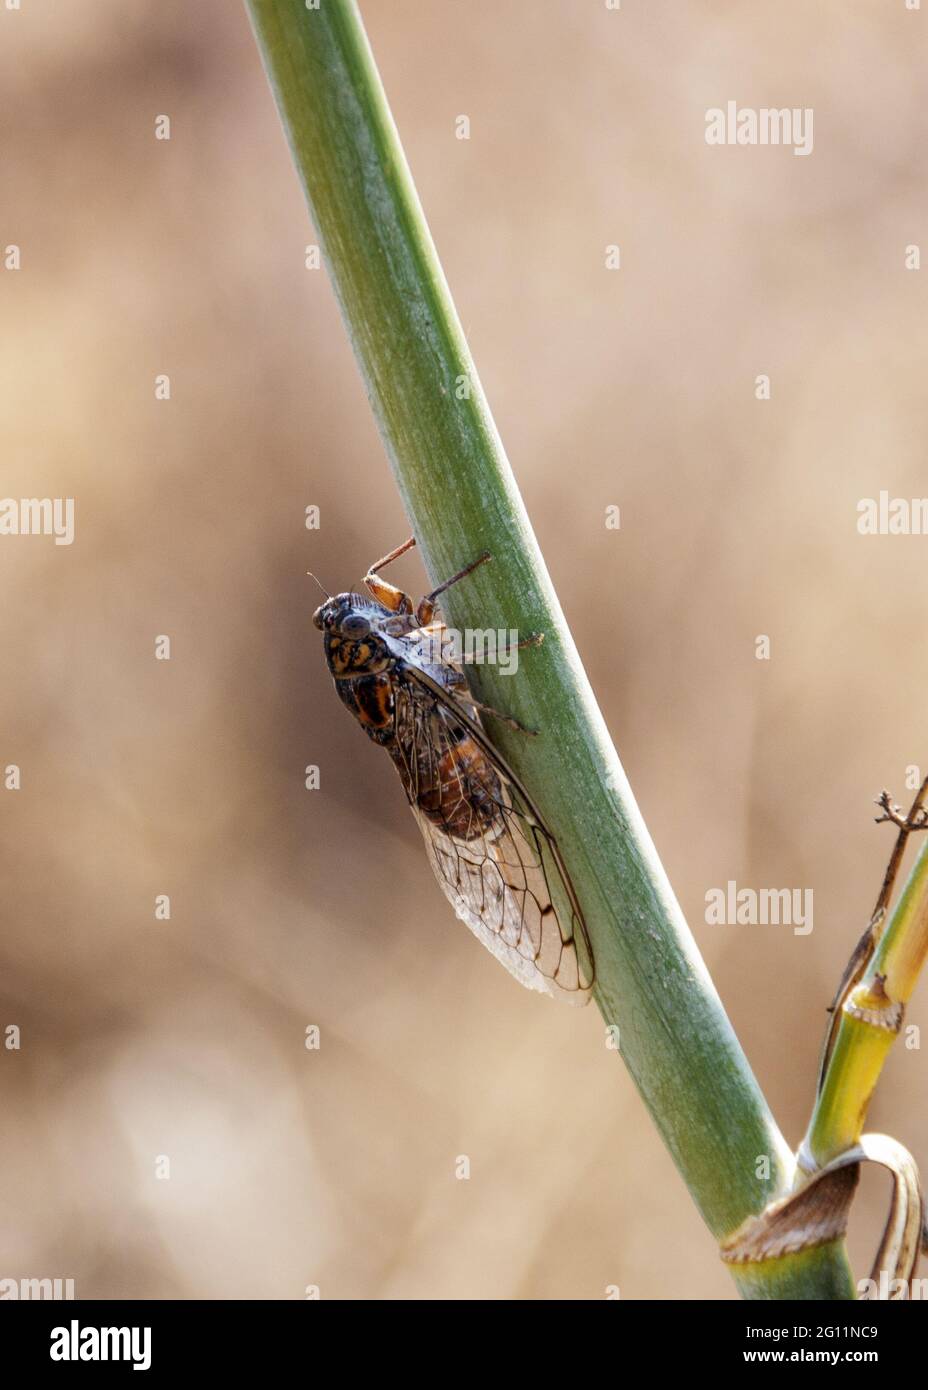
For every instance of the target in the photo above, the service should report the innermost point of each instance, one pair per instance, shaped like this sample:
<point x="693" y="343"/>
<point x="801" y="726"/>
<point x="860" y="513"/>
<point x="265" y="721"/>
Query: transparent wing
<point x="496" y="861"/>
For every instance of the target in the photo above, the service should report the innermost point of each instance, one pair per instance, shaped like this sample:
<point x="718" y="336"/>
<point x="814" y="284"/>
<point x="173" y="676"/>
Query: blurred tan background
<point x="185" y="1038"/>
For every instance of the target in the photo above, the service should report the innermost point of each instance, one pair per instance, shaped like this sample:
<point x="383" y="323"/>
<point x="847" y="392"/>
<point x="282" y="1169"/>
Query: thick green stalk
<point x="461" y="495"/>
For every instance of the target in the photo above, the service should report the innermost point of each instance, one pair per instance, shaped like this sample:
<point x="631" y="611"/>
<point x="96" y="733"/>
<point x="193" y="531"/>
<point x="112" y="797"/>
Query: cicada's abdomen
<point x="462" y="794"/>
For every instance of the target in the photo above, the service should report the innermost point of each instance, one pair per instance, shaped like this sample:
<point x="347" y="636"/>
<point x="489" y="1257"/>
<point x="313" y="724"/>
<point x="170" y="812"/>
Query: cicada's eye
<point x="355" y="626"/>
<point x="317" y="616"/>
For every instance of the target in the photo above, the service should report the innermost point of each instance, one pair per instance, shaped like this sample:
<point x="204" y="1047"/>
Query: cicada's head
<point x="354" y="644"/>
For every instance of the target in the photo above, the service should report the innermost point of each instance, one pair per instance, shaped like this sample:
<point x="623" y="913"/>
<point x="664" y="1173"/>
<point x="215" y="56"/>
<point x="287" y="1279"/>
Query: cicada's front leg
<point x="388" y="594"/>
<point x="399" y="602"/>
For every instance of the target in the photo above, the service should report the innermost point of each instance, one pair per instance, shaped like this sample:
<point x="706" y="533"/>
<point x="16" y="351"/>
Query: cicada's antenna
<point x="316" y="581"/>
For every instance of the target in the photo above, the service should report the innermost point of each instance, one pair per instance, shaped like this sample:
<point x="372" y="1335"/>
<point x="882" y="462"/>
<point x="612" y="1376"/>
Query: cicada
<point x="496" y="860"/>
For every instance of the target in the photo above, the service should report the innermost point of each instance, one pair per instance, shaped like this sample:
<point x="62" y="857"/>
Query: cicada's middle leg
<point x="425" y="609"/>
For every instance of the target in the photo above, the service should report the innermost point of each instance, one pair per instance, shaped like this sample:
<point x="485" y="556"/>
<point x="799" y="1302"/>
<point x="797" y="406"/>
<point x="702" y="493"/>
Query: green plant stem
<point x="861" y="1048"/>
<point x="461" y="495"/>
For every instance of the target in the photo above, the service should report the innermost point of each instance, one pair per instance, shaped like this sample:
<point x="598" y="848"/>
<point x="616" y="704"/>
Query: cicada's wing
<point x="496" y="861"/>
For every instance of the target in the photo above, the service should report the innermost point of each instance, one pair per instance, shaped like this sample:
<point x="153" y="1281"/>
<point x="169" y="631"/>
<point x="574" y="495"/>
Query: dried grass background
<point x="291" y="908"/>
